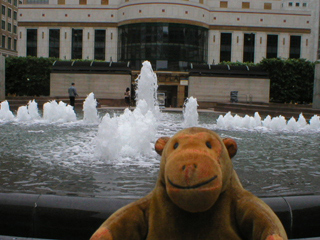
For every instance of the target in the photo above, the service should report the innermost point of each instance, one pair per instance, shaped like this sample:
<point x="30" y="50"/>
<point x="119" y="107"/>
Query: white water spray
<point x="275" y="124"/>
<point x="23" y="114"/>
<point x="147" y="88"/>
<point x="190" y="112"/>
<point x="29" y="112"/>
<point x="90" y="113"/>
<point x="54" y="112"/>
<point x="5" y="113"/>
<point x="131" y="133"/>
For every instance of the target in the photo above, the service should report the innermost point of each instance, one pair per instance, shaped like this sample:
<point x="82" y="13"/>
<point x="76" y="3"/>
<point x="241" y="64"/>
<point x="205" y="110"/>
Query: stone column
<point x="2" y="78"/>
<point x="316" y="87"/>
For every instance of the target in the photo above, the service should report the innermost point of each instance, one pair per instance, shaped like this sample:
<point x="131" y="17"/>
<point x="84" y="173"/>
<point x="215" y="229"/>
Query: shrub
<point x="28" y="76"/>
<point x="291" y="80"/>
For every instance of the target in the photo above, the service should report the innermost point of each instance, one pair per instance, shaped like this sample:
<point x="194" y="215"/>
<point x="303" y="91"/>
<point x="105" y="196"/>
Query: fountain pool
<point x="109" y="153"/>
<point x="59" y="158"/>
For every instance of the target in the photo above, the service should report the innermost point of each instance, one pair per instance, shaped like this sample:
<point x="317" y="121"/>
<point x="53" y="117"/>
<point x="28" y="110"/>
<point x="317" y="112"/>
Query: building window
<point x="225" y="47"/>
<point x="76" y="44"/>
<point x="99" y="44"/>
<point x="14" y="29"/>
<point x="15" y="15"/>
<point x="9" y="27"/>
<point x="9" y="43"/>
<point x="248" y="47"/>
<point x="104" y="2"/>
<point x="32" y="42"/>
<point x="3" y="10"/>
<point x="15" y="44"/>
<point x="272" y="46"/>
<point x="9" y="12"/>
<point x="9" y="1"/>
<point x="37" y="1"/>
<point x="3" y="25"/>
<point x="268" y="6"/>
<point x="223" y="4"/>
<point x="15" y="3"/>
<point x="83" y="2"/>
<point x="290" y="4"/>
<point x="54" y="43"/>
<point x="245" y="5"/>
<point x="304" y="4"/>
<point x="3" y="44"/>
<point x="297" y="4"/>
<point x="168" y="46"/>
<point x="295" y="46"/>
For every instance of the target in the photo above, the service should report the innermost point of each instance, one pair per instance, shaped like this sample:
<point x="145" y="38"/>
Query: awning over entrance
<point x="227" y="71"/>
<point x="90" y="66"/>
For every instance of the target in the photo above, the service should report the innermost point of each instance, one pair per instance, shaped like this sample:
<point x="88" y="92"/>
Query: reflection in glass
<point x="295" y="46"/>
<point x="225" y="47"/>
<point x="32" y="42"/>
<point x="248" y="47"/>
<point x="76" y="43"/>
<point x="99" y="44"/>
<point x="54" y="43"/>
<point x="272" y="46"/>
<point x="166" y="45"/>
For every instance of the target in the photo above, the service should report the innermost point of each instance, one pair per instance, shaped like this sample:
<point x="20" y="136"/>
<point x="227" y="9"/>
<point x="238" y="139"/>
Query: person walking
<point x="72" y="94"/>
<point x="127" y="97"/>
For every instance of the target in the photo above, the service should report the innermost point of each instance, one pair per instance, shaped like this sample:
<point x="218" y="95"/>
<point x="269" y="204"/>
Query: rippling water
<point x="58" y="158"/>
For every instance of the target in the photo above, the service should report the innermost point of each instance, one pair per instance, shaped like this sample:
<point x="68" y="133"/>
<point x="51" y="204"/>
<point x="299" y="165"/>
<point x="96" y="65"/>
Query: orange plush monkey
<point x="197" y="196"/>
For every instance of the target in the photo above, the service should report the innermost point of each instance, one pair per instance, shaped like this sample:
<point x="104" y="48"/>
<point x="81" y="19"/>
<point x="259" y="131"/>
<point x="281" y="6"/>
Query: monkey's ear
<point x="160" y="144"/>
<point x="231" y="146"/>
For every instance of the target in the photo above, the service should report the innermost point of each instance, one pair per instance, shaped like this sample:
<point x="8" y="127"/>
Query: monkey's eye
<point x="175" y="145"/>
<point x="208" y="145"/>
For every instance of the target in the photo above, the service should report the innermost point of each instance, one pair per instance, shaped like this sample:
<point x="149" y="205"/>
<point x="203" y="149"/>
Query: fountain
<point x="29" y="112"/>
<point x="61" y="152"/>
<point x="90" y="113"/>
<point x="147" y="88"/>
<point x="277" y="123"/>
<point x="5" y="113"/>
<point x="190" y="112"/>
<point x="58" y="112"/>
<point x="121" y="135"/>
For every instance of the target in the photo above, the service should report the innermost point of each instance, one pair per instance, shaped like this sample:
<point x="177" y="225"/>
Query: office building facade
<point x="170" y="34"/>
<point x="9" y="28"/>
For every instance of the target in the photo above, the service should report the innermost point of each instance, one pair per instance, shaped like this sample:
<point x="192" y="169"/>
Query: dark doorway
<point x="171" y="94"/>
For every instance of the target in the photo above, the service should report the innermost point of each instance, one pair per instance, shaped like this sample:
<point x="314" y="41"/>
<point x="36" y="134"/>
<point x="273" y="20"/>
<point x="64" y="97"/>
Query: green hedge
<point x="28" y="76"/>
<point x="291" y="80"/>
